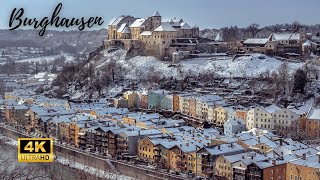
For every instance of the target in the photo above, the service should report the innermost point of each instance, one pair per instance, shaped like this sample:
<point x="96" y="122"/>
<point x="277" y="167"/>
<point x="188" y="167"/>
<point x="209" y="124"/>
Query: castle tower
<point x="303" y="35"/>
<point x="195" y="31"/>
<point x="156" y="20"/>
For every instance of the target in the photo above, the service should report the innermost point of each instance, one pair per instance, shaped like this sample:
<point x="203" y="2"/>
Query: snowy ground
<point x="69" y="58"/>
<point x="248" y="66"/>
<point x="93" y="171"/>
<point x="66" y="162"/>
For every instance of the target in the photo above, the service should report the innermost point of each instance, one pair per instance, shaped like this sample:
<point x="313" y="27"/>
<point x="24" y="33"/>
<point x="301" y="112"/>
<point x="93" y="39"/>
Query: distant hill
<point x="71" y="40"/>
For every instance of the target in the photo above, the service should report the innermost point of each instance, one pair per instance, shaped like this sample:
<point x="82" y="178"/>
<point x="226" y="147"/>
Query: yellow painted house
<point x="146" y="150"/>
<point x="132" y="98"/>
<point x="64" y="133"/>
<point x="222" y="114"/>
<point x="75" y="129"/>
<point x="182" y="158"/>
<point x="306" y="167"/>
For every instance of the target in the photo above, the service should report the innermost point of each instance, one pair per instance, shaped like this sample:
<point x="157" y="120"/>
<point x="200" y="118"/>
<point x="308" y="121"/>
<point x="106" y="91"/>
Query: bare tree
<point x="230" y="34"/>
<point x="253" y="29"/>
<point x="296" y="26"/>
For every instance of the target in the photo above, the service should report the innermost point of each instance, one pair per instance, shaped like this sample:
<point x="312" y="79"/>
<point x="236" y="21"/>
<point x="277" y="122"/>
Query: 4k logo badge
<point x="35" y="150"/>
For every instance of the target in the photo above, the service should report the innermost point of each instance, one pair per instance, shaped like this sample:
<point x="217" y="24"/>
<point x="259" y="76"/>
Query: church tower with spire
<point x="156" y="20"/>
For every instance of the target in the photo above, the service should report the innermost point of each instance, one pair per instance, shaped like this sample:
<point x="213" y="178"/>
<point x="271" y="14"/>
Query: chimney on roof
<point x="180" y="145"/>
<point x="304" y="156"/>
<point x="274" y="162"/>
<point x="187" y="144"/>
<point x="219" y="147"/>
<point x="243" y="157"/>
<point x="281" y="142"/>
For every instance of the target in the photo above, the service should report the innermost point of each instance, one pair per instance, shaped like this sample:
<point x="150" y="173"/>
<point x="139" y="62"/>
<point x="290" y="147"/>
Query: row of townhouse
<point x="273" y="117"/>
<point x="213" y="108"/>
<point x="202" y="107"/>
<point x="249" y="155"/>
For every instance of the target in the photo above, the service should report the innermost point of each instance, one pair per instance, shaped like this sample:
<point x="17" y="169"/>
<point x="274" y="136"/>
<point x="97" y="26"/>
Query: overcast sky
<point x="204" y="13"/>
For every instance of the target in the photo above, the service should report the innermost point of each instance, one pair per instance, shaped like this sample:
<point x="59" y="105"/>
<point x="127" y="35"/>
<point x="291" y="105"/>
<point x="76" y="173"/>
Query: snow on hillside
<point x="249" y="66"/>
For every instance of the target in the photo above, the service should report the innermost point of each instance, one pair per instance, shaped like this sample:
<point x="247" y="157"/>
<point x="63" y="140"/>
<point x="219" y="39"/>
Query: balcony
<point x="180" y="156"/>
<point x="122" y="145"/>
<point x="99" y="138"/>
<point x="207" y="171"/>
<point x="120" y="140"/>
<point x="181" y="166"/>
<point x="207" y="164"/>
<point x="111" y="136"/>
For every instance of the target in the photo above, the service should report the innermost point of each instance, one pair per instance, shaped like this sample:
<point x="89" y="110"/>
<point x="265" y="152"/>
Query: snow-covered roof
<point x="156" y="14"/>
<point x="314" y="114"/>
<point x="224" y="149"/>
<point x="272" y="108"/>
<point x="310" y="161"/>
<point x="302" y="109"/>
<point x="165" y="27"/>
<point x="234" y="122"/>
<point x="307" y="43"/>
<point x="138" y="23"/>
<point x="285" y="36"/>
<point x="115" y="21"/>
<point x="259" y="140"/>
<point x="209" y="98"/>
<point x="249" y="156"/>
<point x="256" y="41"/>
<point x="40" y="75"/>
<point x="122" y="27"/>
<point x="185" y="25"/>
<point x="146" y="33"/>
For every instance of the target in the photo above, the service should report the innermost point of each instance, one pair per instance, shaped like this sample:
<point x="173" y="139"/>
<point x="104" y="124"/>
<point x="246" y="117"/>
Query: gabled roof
<point x="314" y="114"/>
<point x="224" y="149"/>
<point x="272" y="108"/>
<point x="218" y="38"/>
<point x="185" y="25"/>
<point x="307" y="43"/>
<point x="165" y="27"/>
<point x="285" y="36"/>
<point x="156" y="14"/>
<point x="115" y="21"/>
<point x="121" y="28"/>
<point x="235" y="122"/>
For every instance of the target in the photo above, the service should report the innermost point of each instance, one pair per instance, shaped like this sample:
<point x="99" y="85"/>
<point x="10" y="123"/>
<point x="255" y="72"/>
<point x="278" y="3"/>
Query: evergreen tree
<point x="300" y="80"/>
